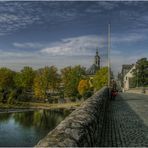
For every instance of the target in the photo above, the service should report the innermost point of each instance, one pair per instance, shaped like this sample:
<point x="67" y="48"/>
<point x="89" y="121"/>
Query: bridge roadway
<point x="126" y="121"/>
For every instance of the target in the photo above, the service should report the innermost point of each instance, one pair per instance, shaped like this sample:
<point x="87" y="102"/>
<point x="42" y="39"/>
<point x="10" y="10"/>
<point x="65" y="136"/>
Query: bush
<point x="79" y="96"/>
<point x="12" y="97"/>
<point x="10" y="101"/>
<point x="87" y="94"/>
<point x="23" y="97"/>
<point x="1" y="96"/>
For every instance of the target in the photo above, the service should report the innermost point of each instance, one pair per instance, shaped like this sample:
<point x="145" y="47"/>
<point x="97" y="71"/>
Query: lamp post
<point x="143" y="77"/>
<point x="108" y="56"/>
<point x="137" y="77"/>
<point x="109" y="30"/>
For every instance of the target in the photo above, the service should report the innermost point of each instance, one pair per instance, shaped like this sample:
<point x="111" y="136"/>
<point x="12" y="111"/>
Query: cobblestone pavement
<point x="126" y="122"/>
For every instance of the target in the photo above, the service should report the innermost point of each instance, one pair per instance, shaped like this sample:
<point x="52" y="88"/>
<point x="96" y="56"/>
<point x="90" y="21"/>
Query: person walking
<point x="113" y="89"/>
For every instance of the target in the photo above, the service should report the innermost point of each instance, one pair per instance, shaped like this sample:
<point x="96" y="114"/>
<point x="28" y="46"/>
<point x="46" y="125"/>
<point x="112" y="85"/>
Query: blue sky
<point x="49" y="33"/>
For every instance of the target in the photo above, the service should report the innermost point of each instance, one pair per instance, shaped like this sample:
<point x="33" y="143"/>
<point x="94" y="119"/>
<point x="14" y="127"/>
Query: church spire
<point x="97" y="59"/>
<point x="96" y="51"/>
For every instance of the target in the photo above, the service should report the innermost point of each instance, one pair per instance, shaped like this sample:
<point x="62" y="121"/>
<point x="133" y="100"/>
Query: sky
<point x="45" y="33"/>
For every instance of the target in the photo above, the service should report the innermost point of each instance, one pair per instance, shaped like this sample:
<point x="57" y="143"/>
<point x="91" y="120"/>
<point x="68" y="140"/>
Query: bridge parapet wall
<point x="82" y="127"/>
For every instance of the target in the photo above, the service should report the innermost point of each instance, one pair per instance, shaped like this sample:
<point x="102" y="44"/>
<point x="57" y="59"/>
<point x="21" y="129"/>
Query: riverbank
<point x="25" y="106"/>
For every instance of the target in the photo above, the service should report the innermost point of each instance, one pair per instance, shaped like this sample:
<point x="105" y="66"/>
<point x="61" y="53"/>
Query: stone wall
<point x="83" y="127"/>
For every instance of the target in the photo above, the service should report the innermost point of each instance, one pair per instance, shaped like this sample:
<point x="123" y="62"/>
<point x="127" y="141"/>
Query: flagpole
<point x="108" y="50"/>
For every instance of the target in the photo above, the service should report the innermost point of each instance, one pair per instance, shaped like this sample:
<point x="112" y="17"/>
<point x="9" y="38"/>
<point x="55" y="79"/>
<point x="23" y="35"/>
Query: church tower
<point x="97" y="59"/>
<point x="95" y="66"/>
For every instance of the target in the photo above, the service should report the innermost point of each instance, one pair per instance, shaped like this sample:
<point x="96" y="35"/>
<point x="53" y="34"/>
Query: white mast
<point x="108" y="50"/>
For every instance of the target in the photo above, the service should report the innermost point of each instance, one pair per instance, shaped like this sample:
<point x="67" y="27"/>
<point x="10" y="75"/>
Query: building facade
<point x="127" y="78"/>
<point x="125" y="69"/>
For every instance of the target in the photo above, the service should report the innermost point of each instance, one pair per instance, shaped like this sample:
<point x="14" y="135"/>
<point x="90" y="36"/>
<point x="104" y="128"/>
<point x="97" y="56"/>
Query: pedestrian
<point x="113" y="90"/>
<point x="113" y="94"/>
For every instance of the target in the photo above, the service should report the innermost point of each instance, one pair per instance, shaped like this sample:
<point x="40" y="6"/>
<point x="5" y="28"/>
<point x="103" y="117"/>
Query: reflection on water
<point x="27" y="128"/>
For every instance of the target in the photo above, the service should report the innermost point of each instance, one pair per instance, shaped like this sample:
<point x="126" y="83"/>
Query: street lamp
<point x="143" y="76"/>
<point x="137" y="77"/>
<point x="108" y="52"/>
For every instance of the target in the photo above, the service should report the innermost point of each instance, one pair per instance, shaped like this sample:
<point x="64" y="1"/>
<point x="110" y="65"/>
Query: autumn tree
<point x="38" y="86"/>
<point x="83" y="87"/>
<point x="70" y="78"/>
<point x="46" y="79"/>
<point x="41" y="83"/>
<point x="101" y="78"/>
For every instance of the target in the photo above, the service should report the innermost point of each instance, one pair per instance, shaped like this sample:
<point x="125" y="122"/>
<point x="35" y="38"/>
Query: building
<point x="125" y="69"/>
<point x="128" y="78"/>
<point x="95" y="66"/>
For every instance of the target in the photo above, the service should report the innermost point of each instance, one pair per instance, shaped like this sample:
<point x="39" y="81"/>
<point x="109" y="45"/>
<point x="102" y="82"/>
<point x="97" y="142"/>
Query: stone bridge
<point x="101" y="122"/>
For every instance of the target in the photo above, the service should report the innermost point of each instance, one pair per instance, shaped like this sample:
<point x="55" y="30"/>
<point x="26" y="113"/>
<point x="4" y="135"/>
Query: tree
<point x="141" y="72"/>
<point x="6" y="78"/>
<point x="6" y="83"/>
<point x="83" y="87"/>
<point x="39" y="90"/>
<point x="101" y="78"/>
<point x="25" y="78"/>
<point x="41" y="83"/>
<point x="54" y="78"/>
<point x="46" y="79"/>
<point x="70" y="78"/>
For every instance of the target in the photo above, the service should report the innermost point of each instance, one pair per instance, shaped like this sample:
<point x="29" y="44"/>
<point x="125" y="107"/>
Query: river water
<point x="27" y="128"/>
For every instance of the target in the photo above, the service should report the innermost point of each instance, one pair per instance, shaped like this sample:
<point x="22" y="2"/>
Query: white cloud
<point x="82" y="45"/>
<point x="14" y="54"/>
<point x="13" y="22"/>
<point x="69" y="51"/>
<point x="15" y="15"/>
<point x="132" y="37"/>
<point x="17" y="60"/>
<point x="28" y="45"/>
<point x="108" y="5"/>
<point x="5" y="18"/>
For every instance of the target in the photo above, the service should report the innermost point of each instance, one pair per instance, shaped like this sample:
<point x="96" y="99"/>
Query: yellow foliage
<point x="45" y="79"/>
<point x="83" y="87"/>
<point x="101" y="78"/>
<point x="38" y="89"/>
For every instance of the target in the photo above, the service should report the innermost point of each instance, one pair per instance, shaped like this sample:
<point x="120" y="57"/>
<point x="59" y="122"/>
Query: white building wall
<point x="127" y="77"/>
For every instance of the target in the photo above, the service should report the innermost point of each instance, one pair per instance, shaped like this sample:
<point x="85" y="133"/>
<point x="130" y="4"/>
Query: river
<point x="27" y="128"/>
